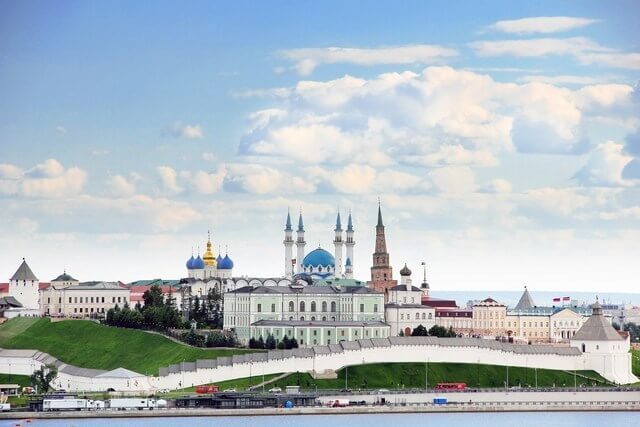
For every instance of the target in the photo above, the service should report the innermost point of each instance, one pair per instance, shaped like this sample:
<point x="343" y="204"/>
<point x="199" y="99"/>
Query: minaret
<point x="288" y="248"/>
<point x="350" y="242"/>
<point x="338" y="243"/>
<point x="381" y="271"/>
<point x="348" y="269"/>
<point x="300" y="244"/>
<point x="425" y="285"/>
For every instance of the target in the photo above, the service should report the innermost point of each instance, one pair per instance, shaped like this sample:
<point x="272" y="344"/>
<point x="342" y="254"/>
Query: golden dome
<point x="208" y="257"/>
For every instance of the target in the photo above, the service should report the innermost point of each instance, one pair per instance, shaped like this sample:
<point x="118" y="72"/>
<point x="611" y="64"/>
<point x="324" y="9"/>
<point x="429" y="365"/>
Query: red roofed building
<point x="137" y="293"/>
<point x="461" y="320"/>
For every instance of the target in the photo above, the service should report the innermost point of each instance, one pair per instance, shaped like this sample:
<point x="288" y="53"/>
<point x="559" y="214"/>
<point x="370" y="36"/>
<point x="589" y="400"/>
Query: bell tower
<point x="381" y="271"/>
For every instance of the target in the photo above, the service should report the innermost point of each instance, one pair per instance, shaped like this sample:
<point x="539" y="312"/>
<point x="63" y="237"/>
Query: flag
<point x="566" y="298"/>
<point x="556" y="299"/>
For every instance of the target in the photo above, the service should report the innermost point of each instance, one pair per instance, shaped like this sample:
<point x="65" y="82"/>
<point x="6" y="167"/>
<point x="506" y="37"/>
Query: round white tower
<point x="338" y="243"/>
<point x="288" y="248"/>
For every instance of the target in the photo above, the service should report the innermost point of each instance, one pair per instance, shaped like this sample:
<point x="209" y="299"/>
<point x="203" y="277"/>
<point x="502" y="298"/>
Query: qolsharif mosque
<point x="319" y="263"/>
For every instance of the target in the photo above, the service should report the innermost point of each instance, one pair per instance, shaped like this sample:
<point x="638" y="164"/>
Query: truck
<point x="123" y="404"/>
<point x="439" y="400"/>
<point x="5" y="407"/>
<point x="207" y="389"/>
<point x="338" y="403"/>
<point x="72" y="404"/>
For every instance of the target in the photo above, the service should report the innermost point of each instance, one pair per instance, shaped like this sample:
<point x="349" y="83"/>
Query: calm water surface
<point x="522" y="419"/>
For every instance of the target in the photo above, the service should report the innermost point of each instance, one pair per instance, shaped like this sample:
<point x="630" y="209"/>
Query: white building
<point x="66" y="297"/>
<point x="608" y="351"/>
<point x="404" y="312"/>
<point x="24" y="287"/>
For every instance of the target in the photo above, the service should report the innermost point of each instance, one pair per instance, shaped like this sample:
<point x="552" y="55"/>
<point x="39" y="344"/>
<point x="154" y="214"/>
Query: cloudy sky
<point x="502" y="138"/>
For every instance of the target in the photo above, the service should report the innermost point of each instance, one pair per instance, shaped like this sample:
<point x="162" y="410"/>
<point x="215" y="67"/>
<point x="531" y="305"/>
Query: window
<point x="302" y="318"/>
<point x="91" y="300"/>
<point x="401" y="316"/>
<point x="290" y="317"/>
<point x="423" y="316"/>
<point x="313" y="318"/>
<point x="113" y="299"/>
<point x="315" y="333"/>
<point x="333" y="306"/>
<point x="430" y="316"/>
<point x="355" y="333"/>
<point x="361" y="308"/>
<point x="341" y="333"/>
<point x="75" y="300"/>
<point x="313" y="306"/>
<point x="375" y="308"/>
<point x="103" y="299"/>
<point x="69" y="300"/>
<point x="291" y="306"/>
<point x="75" y="310"/>
<point x="324" y="318"/>
<point x="273" y="308"/>
<point x="417" y="316"/>
<point x="49" y="301"/>
<point x="259" y="308"/>
<point x="302" y="306"/>
<point x="328" y="333"/>
<point x="324" y="306"/>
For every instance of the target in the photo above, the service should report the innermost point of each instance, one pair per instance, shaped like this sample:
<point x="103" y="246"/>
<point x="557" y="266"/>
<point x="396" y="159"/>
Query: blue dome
<point x="225" y="263"/>
<point x="190" y="262"/>
<point x="319" y="257"/>
<point x="197" y="264"/>
<point x="218" y="260"/>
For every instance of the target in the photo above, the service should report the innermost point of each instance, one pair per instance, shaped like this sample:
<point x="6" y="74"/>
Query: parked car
<point x="275" y="390"/>
<point x="230" y="390"/>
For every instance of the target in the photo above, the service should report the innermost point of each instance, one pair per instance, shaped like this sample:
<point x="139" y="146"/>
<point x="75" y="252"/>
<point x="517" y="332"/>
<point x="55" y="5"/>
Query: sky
<point x="502" y="138"/>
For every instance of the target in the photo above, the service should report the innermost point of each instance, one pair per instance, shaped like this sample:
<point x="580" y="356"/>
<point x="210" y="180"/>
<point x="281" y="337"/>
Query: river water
<point x="512" y="419"/>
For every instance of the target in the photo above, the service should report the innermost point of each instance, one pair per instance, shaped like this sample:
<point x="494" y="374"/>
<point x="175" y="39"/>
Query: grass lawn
<point x="412" y="375"/>
<point x="90" y="345"/>
<point x="21" y="380"/>
<point x="635" y="362"/>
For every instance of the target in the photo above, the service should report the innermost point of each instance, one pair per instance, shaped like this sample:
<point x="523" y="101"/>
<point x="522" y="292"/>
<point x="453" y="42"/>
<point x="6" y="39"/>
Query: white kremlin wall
<point x="614" y="367"/>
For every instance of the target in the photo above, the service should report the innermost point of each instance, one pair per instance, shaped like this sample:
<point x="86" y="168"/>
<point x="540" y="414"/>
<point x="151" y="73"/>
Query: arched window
<point x="324" y="318"/>
<point x="423" y="316"/>
<point x="430" y="316"/>
<point x="313" y="306"/>
<point x="333" y="306"/>
<point x="417" y="316"/>
<point x="313" y="318"/>
<point x="324" y="306"/>
<point x="301" y="318"/>
<point x="292" y="306"/>
<point x="301" y="305"/>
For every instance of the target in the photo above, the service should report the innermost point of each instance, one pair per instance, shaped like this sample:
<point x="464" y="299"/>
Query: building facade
<point x="24" y="286"/>
<point x="332" y="300"/>
<point x="70" y="298"/>
<point x="310" y="333"/>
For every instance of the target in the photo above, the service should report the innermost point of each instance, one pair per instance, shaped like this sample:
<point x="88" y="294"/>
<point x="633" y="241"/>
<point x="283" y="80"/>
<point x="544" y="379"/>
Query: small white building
<point x="404" y="312"/>
<point x="607" y="350"/>
<point x="66" y="297"/>
<point x="24" y="287"/>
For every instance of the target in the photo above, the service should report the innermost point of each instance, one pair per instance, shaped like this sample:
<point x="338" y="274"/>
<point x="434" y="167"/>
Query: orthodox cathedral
<point x="208" y="266"/>
<point x="319" y="263"/>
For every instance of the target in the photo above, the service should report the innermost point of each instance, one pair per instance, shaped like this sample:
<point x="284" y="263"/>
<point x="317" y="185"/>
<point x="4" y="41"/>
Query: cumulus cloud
<point x="307" y="59"/>
<point x="169" y="179"/>
<point x="542" y="24"/>
<point x="605" y="166"/>
<point x="560" y="79"/>
<point x="209" y="183"/>
<point x="260" y="179"/>
<point x="180" y="130"/>
<point x="49" y="179"/>
<point x="439" y="117"/>
<point x="497" y="186"/>
<point x="453" y="179"/>
<point x="119" y="186"/>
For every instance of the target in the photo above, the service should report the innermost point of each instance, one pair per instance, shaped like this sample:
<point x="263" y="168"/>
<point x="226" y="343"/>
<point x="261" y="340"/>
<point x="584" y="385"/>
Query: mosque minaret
<point x="319" y="263"/>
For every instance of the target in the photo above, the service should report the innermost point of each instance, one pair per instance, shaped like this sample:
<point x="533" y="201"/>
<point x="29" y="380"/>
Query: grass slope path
<point x="90" y="345"/>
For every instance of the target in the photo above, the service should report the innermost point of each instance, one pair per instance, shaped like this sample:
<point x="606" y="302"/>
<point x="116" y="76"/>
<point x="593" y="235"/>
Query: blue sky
<point x="503" y="138"/>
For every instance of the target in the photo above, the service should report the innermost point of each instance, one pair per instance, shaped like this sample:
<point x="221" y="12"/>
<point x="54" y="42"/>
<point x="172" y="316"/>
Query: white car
<point x="275" y="390"/>
<point x="230" y="390"/>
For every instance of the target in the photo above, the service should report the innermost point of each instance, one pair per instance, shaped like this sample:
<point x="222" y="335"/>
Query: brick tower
<point x="381" y="271"/>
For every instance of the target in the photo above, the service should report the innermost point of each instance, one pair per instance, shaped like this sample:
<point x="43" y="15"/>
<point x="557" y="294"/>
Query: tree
<point x="43" y="377"/>
<point x="634" y="331"/>
<point x="153" y="297"/>
<point x="615" y="325"/>
<point x="270" y="343"/>
<point x="441" y="331"/>
<point x="419" y="331"/>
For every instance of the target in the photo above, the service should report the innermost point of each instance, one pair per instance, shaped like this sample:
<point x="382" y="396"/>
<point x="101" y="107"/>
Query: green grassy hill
<point x="90" y="345"/>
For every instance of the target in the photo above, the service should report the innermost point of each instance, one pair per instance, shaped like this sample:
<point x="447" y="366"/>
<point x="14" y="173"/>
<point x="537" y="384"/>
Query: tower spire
<point x="300" y="223"/>
<point x="338" y="223"/>
<point x="380" y="224"/>
<point x="288" y="224"/>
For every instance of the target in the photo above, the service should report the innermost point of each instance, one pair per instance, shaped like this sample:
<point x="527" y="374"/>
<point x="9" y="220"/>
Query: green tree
<point x="43" y="377"/>
<point x="270" y="343"/>
<point x="419" y="331"/>
<point x="153" y="297"/>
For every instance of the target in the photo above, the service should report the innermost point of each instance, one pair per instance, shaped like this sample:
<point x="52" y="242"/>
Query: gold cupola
<point x="208" y="257"/>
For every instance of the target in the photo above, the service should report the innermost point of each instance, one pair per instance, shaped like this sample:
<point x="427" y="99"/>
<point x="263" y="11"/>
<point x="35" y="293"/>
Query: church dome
<point x="197" y="264"/>
<point x="225" y="263"/>
<point x="319" y="257"/>
<point x="190" y="263"/>
<point x="219" y="260"/>
<point x="405" y="271"/>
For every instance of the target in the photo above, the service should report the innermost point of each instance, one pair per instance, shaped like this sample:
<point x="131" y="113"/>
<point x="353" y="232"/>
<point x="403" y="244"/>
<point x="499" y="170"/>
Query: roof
<point x="405" y="270"/>
<point x="119" y="373"/>
<point x="92" y="286"/>
<point x="159" y="282"/>
<point x="304" y="290"/>
<point x="525" y="301"/>
<point x="437" y="302"/>
<point x="137" y="292"/>
<point x="405" y="288"/>
<point x="317" y="323"/>
<point x="400" y="305"/>
<point x="64" y="277"/>
<point x="42" y="286"/>
<point x="24" y="273"/>
<point x="4" y="288"/>
<point x="597" y="328"/>
<point x="10" y="301"/>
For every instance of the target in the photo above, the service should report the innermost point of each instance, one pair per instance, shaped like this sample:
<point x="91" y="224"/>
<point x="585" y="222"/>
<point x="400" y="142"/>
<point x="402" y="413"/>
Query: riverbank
<point x="400" y="409"/>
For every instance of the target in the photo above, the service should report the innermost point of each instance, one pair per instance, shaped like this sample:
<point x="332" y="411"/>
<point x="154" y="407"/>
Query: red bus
<point x="451" y="386"/>
<point x="204" y="389"/>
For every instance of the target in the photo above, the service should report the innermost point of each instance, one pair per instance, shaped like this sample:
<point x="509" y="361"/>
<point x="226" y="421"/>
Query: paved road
<point x="510" y="396"/>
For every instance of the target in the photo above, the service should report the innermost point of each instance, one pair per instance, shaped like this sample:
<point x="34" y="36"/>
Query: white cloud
<point x="61" y="130"/>
<point x="49" y="179"/>
<point x="307" y="59"/>
<point x="604" y="166"/>
<point x="556" y="201"/>
<point x="453" y="179"/>
<point x="169" y="179"/>
<point x="119" y="186"/>
<point x="541" y="24"/>
<point x="584" y="50"/>
<point x="209" y="157"/>
<point x="180" y="130"/>
<point x="209" y="183"/>
<point x="561" y="79"/>
<point x="497" y="186"/>
<point x="260" y="179"/>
